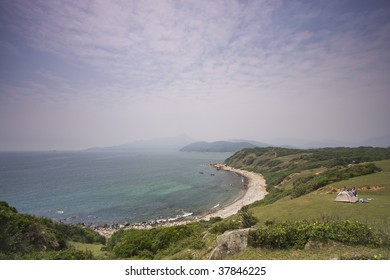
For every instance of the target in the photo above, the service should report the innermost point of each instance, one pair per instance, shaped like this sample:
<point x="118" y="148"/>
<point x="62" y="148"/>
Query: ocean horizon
<point x="97" y="188"/>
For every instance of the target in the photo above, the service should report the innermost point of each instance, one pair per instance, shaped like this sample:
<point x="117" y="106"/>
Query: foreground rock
<point x="230" y="243"/>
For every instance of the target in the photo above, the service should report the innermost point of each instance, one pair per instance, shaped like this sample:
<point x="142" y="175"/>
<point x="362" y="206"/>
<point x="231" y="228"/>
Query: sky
<point x="77" y="74"/>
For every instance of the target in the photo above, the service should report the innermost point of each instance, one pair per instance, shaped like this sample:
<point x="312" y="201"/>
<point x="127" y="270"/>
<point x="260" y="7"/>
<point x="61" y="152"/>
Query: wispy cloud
<point x="201" y="51"/>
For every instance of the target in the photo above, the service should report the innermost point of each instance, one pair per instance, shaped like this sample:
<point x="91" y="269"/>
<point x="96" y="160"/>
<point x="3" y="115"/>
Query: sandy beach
<point x="255" y="190"/>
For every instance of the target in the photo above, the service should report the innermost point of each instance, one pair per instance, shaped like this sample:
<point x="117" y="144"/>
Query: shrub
<point x="353" y="233"/>
<point x="297" y="234"/>
<point x="26" y="236"/>
<point x="247" y="218"/>
<point x="225" y="225"/>
<point x="310" y="183"/>
<point x="155" y="243"/>
<point x="79" y="234"/>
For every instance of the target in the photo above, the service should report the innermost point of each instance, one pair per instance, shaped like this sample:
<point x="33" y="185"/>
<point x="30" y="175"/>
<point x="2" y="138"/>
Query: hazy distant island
<point x="218" y="146"/>
<point x="182" y="143"/>
<point x="185" y="143"/>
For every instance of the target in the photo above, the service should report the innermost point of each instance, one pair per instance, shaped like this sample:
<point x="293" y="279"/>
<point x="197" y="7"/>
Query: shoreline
<point x="254" y="190"/>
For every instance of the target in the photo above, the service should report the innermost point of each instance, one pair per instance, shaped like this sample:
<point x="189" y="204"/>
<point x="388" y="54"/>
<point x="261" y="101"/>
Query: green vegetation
<point x="307" y="184"/>
<point x="247" y="218"/>
<point x="321" y="204"/>
<point x="302" y="186"/>
<point x="158" y="243"/>
<point x="298" y="219"/>
<point x="297" y="234"/>
<point x="308" y="169"/>
<point x="224" y="225"/>
<point x="24" y="236"/>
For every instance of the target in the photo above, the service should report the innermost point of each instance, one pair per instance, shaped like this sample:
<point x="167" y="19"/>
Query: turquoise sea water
<point x="114" y="187"/>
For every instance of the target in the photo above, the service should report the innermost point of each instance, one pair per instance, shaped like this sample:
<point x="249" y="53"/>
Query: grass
<point x="288" y="184"/>
<point x="95" y="249"/>
<point x="330" y="251"/>
<point x="321" y="205"/>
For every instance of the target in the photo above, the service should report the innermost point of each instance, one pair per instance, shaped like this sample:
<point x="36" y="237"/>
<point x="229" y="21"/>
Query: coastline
<point x="255" y="189"/>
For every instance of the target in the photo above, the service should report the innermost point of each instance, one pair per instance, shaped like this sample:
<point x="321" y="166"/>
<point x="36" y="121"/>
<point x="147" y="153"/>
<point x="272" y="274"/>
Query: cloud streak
<point x="203" y="53"/>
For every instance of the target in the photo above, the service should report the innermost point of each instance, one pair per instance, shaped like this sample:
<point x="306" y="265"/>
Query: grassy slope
<point x="94" y="249"/>
<point x="320" y="205"/>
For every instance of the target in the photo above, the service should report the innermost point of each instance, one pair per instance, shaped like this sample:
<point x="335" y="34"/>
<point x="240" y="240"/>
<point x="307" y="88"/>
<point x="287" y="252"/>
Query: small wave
<point x="185" y="214"/>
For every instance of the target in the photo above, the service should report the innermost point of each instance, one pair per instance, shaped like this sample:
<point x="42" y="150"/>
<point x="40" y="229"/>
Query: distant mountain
<point x="167" y="144"/>
<point x="256" y="143"/>
<point x="218" y="146"/>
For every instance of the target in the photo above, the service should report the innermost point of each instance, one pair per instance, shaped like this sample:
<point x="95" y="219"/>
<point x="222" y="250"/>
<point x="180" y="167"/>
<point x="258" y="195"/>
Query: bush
<point x="225" y="225"/>
<point x="297" y="234"/>
<point x="25" y="236"/>
<point x="247" y="218"/>
<point x="311" y="183"/>
<point x="353" y="233"/>
<point x="68" y="254"/>
<point x="77" y="233"/>
<point x="155" y="243"/>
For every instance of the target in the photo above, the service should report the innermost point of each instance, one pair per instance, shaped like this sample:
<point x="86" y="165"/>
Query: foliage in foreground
<point x="155" y="243"/>
<point x="297" y="234"/>
<point x="24" y="236"/>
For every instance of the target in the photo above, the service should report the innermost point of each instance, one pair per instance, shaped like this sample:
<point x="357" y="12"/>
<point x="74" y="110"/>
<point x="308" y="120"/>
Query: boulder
<point x="230" y="243"/>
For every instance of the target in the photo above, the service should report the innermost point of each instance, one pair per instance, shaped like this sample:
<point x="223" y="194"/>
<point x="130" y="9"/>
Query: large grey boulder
<point x="230" y="243"/>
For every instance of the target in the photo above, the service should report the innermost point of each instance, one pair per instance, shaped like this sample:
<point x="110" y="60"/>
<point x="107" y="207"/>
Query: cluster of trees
<point x="24" y="236"/>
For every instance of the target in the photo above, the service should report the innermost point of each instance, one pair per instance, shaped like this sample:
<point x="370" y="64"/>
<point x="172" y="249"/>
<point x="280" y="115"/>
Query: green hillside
<point x="298" y="219"/>
<point x="24" y="236"/>
<point x="321" y="204"/>
<point x="285" y="169"/>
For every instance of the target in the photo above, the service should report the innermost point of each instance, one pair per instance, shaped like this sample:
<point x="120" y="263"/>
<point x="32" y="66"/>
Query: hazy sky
<point x="76" y="74"/>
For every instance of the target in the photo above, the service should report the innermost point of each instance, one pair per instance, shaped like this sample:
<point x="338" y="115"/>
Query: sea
<point x="106" y="188"/>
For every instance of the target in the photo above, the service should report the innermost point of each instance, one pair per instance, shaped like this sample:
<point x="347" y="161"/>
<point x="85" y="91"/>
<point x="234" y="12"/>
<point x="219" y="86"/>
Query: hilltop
<point x="218" y="146"/>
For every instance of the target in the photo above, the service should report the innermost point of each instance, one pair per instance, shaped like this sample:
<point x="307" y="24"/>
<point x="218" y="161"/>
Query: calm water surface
<point x="114" y="187"/>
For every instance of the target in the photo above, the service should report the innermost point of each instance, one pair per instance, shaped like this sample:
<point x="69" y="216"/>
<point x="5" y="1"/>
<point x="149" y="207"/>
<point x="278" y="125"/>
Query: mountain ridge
<point x="217" y="146"/>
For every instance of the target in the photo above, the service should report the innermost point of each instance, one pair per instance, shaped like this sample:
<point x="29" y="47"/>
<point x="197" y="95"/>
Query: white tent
<point x="346" y="196"/>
